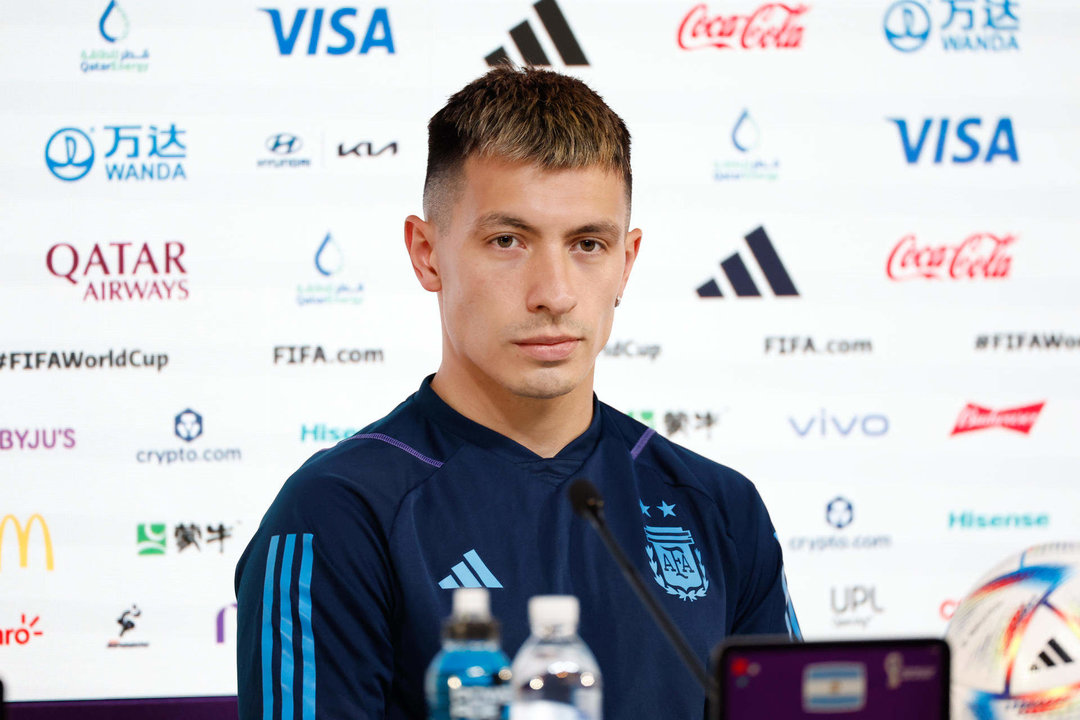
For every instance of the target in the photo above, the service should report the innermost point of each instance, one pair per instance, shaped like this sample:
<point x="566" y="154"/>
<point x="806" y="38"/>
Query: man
<point x="526" y="243"/>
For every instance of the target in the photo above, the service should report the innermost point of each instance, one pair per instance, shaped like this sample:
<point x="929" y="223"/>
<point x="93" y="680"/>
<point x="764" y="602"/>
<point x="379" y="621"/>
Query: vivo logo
<point x="872" y="425"/>
<point x="968" y="131"/>
<point x="340" y="37"/>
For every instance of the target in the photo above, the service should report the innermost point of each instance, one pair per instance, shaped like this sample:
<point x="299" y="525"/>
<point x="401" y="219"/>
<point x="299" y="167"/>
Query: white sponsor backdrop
<point x="799" y="133"/>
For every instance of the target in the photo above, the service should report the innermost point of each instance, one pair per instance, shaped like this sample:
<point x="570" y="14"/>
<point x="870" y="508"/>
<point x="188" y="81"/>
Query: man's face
<point x="530" y="262"/>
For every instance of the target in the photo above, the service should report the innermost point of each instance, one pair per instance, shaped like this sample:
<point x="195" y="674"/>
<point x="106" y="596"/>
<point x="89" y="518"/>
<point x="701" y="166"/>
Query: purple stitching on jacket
<point x="399" y="445"/>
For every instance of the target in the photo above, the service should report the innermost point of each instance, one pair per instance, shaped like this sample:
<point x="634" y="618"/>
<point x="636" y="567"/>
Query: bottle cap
<point x="549" y="610"/>
<point x="471" y="603"/>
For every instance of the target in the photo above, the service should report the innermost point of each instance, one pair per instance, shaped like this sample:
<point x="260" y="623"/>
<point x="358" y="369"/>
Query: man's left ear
<point x="631" y="246"/>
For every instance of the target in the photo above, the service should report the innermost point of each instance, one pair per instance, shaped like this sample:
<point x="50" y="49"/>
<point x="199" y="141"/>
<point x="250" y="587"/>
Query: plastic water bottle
<point x="469" y="679"/>
<point x="555" y="674"/>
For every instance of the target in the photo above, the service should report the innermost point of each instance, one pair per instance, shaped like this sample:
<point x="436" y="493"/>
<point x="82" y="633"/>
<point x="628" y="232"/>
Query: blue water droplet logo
<point x="328" y="258"/>
<point x="745" y="135"/>
<point x="114" y="23"/>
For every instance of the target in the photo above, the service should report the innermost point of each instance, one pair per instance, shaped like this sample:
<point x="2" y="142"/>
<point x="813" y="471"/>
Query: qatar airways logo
<point x="975" y="417"/>
<point x="772" y="25"/>
<point x="122" y="271"/>
<point x="979" y="256"/>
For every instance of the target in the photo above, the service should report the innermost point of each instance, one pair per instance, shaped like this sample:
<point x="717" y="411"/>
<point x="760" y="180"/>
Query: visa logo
<point x="341" y="38"/>
<point x="967" y="145"/>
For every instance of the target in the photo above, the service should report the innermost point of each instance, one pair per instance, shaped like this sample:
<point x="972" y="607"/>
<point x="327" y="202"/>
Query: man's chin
<point x="545" y="384"/>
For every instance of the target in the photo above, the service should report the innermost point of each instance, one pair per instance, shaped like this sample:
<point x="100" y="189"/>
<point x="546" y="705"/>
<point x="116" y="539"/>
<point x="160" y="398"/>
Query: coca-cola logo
<point x="981" y="255"/>
<point x="975" y="417"/>
<point x="771" y="25"/>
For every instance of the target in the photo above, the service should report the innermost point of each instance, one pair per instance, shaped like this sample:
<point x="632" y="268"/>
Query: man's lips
<point x="548" y="347"/>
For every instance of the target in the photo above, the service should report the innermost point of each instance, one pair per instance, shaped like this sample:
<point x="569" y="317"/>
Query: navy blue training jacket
<point x="344" y="587"/>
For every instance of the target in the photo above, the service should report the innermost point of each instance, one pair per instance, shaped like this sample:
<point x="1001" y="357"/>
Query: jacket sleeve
<point x="314" y="598"/>
<point x="764" y="604"/>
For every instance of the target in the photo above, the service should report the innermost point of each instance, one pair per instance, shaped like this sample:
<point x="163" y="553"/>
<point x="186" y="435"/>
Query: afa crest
<point x="676" y="564"/>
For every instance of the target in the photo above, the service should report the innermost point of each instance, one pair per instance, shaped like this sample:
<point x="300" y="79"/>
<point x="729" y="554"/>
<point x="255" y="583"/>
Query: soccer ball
<point x="1015" y="639"/>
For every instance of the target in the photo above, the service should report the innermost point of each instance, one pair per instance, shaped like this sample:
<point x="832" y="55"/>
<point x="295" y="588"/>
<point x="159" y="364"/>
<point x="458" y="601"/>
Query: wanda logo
<point x="982" y="255"/>
<point x="771" y="25"/>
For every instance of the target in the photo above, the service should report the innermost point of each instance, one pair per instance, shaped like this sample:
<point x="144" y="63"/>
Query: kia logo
<point x="284" y="144"/>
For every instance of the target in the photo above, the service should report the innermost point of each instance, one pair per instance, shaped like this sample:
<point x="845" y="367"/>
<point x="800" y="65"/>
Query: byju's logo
<point x="330" y="263"/>
<point x="116" y="272"/>
<point x="773" y="25"/>
<point x="377" y="35"/>
<point x="981" y="255"/>
<point x="739" y="277"/>
<point x="992" y="26"/>
<point x="188" y="425"/>
<point x="968" y="132"/>
<point x="528" y="46"/>
<point x="839" y="512"/>
<point x="22" y="537"/>
<point x="69" y="154"/>
<point x="747" y="165"/>
<point x="37" y="439"/>
<point x="27" y="630"/>
<point x="975" y="417"/>
<point x="155" y="155"/>
<point x="828" y="425"/>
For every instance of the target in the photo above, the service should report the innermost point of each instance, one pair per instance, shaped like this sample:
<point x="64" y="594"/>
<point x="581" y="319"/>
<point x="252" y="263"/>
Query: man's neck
<point x="544" y="426"/>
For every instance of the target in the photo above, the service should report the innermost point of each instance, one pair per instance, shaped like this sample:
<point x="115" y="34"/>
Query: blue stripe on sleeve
<point x="268" y="631"/>
<point x="285" y="629"/>
<point x="307" y="644"/>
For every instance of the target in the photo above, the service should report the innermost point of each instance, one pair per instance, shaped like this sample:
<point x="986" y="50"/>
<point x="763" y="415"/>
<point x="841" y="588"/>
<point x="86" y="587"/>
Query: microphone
<point x="589" y="504"/>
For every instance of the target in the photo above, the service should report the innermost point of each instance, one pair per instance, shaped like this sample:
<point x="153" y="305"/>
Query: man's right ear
<point x="419" y="241"/>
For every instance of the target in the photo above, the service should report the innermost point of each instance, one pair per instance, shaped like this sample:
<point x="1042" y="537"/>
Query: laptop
<point x="855" y="680"/>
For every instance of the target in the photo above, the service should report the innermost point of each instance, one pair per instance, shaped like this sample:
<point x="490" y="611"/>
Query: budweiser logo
<point x="982" y="255"/>
<point x="771" y="25"/>
<point x="976" y="417"/>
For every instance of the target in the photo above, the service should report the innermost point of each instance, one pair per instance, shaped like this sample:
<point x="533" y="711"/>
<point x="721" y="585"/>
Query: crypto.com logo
<point x="69" y="154"/>
<point x="22" y="536"/>
<point x="188" y="425"/>
<point x="839" y="513"/>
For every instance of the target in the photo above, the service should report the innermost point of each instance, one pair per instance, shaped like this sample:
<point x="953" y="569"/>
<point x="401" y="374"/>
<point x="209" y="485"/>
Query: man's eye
<point x="589" y="245"/>
<point x="505" y="241"/>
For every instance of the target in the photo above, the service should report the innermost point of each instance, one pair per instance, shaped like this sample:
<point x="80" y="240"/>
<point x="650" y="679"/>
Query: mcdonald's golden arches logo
<point x="22" y="535"/>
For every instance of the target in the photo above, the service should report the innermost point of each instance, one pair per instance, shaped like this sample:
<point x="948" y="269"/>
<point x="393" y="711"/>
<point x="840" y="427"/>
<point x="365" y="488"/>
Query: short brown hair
<point x="523" y="114"/>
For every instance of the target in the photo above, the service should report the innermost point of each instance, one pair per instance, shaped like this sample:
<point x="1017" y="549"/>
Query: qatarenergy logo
<point x="80" y="359"/>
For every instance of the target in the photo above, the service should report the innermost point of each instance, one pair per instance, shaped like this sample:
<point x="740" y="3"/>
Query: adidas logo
<point x="739" y="277"/>
<point x="461" y="576"/>
<point x="1051" y="656"/>
<point x="528" y="44"/>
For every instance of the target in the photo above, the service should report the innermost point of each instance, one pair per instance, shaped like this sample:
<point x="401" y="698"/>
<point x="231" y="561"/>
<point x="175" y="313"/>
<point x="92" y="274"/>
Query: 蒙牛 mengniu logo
<point x="378" y="32"/>
<point x="69" y="154"/>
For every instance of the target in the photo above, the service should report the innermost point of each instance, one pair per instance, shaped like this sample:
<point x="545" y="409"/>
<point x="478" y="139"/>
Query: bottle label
<point x="479" y="702"/>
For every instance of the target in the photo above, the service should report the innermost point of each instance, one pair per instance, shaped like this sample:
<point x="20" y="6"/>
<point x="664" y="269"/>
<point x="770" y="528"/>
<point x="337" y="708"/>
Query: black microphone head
<point x="585" y="498"/>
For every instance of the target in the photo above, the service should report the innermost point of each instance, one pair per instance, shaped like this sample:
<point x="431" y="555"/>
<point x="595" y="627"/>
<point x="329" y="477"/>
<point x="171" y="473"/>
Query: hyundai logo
<point x="284" y="144"/>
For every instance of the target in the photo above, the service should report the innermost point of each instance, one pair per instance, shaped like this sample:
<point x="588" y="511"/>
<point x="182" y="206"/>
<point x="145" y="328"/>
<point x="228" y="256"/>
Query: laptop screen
<point x="859" y="680"/>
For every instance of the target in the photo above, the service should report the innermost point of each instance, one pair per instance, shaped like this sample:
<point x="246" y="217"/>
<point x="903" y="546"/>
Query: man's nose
<point x="551" y="288"/>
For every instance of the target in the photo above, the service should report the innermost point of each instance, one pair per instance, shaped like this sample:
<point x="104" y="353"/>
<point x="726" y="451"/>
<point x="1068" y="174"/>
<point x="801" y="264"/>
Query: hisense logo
<point x="968" y="520"/>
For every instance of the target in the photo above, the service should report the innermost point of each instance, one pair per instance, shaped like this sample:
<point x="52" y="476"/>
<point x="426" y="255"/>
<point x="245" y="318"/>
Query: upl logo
<point x="338" y="39"/>
<point x="22" y="536"/>
<point x="960" y="142"/>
